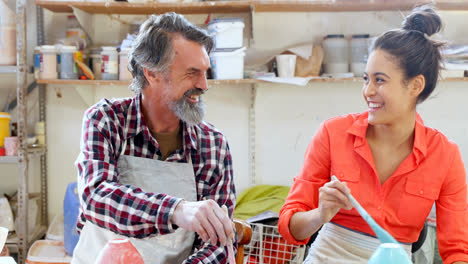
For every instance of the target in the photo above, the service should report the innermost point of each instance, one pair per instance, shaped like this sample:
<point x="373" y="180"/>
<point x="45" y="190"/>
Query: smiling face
<point x="180" y="89"/>
<point x="389" y="98"/>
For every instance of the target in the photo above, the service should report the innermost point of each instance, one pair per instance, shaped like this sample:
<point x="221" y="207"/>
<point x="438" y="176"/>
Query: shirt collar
<point x="189" y="132"/>
<point x="190" y="135"/>
<point x="359" y="128"/>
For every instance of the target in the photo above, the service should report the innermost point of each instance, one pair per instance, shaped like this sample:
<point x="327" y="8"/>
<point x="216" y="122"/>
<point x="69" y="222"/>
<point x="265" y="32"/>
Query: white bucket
<point x="7" y="35"/>
<point x="227" y="32"/>
<point x="227" y="64"/>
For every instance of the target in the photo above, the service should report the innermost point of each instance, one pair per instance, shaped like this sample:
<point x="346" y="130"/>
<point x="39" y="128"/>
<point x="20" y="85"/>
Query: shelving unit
<point x="19" y="241"/>
<point x="110" y="7"/>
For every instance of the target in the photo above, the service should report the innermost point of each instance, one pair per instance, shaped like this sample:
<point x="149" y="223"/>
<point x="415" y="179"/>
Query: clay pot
<point x="119" y="251"/>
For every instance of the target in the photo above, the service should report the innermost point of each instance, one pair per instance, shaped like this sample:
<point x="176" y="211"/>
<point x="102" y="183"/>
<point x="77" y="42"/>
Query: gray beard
<point x="191" y="114"/>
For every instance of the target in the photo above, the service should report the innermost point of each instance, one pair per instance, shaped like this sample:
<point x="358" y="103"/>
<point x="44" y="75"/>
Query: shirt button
<point x="421" y="191"/>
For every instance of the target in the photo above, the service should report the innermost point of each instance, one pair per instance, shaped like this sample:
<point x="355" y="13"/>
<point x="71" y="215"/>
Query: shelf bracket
<point x="85" y="20"/>
<point x="251" y="35"/>
<point x="252" y="136"/>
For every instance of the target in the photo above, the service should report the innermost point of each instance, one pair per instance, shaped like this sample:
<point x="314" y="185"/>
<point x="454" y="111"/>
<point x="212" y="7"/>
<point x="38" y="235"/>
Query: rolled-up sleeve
<point x="303" y="195"/>
<point x="452" y="213"/>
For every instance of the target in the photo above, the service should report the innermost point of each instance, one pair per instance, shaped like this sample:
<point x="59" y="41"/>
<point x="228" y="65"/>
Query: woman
<point x="391" y="163"/>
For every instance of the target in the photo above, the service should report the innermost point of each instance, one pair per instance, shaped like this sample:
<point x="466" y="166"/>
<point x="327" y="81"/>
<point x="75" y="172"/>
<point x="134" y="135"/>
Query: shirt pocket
<point x="351" y="175"/>
<point x="347" y="173"/>
<point x="416" y="202"/>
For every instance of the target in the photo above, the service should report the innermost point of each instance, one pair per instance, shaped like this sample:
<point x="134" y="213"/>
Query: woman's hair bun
<point x="423" y="19"/>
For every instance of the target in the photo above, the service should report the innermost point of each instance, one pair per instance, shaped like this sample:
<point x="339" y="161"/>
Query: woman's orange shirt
<point x="433" y="172"/>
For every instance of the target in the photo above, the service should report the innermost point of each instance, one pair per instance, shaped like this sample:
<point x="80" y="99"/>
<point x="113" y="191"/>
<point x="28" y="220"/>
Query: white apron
<point x="338" y="245"/>
<point x="172" y="178"/>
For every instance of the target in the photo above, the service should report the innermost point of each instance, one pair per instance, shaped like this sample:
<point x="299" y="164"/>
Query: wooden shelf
<point x="112" y="7"/>
<point x="219" y="82"/>
<point x="103" y="82"/>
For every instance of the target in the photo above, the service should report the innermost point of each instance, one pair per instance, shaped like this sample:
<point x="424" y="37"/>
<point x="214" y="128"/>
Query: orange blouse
<point x="433" y="172"/>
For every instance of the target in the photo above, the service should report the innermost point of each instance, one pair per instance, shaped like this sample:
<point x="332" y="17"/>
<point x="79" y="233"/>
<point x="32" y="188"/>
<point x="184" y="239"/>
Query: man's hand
<point x="206" y="218"/>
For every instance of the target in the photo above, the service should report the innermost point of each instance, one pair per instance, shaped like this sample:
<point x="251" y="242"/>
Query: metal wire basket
<point x="268" y="247"/>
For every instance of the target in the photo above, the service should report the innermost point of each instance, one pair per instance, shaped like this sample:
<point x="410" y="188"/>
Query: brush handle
<point x="381" y="233"/>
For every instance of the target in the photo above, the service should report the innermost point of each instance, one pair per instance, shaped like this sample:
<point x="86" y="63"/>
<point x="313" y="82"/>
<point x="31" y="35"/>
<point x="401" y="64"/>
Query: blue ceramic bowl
<point x="389" y="253"/>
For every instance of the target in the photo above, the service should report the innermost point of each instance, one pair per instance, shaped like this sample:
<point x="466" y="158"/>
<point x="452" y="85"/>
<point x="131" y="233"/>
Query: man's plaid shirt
<point x="127" y="210"/>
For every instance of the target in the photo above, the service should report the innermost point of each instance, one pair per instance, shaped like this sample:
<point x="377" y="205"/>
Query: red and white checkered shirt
<point x="127" y="210"/>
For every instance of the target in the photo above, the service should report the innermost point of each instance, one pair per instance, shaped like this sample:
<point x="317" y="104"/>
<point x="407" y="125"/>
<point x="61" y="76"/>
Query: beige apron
<point x="338" y="245"/>
<point x="172" y="178"/>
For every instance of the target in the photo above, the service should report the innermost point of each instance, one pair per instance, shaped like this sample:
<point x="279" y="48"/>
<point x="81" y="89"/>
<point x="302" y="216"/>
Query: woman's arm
<point x="331" y="199"/>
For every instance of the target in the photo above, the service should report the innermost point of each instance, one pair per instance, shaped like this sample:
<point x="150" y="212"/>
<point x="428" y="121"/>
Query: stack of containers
<point x="227" y="58"/>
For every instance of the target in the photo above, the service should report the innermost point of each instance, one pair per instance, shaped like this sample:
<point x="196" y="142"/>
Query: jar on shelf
<point x="359" y="53"/>
<point x="109" y="63"/>
<point x="48" y="62"/>
<point x="124" y="73"/>
<point x="95" y="62"/>
<point x="68" y="69"/>
<point x="336" y="58"/>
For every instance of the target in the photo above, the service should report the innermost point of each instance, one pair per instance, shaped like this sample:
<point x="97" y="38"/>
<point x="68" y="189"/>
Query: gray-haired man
<point x="150" y="169"/>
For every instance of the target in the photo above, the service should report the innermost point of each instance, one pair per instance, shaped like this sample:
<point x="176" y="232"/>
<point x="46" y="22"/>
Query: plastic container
<point x="359" y="53"/>
<point x="286" y="64"/>
<point x="48" y="60"/>
<point x="124" y="73"/>
<point x="39" y="130"/>
<point x="11" y="146"/>
<point x="95" y="62"/>
<point x="46" y="252"/>
<point x="68" y="69"/>
<point x="37" y="62"/>
<point x="70" y="216"/>
<point x="227" y="64"/>
<point x="4" y="127"/>
<point x="109" y="63"/>
<point x="6" y="215"/>
<point x="55" y="230"/>
<point x="7" y="35"/>
<point x="74" y="28"/>
<point x="34" y="212"/>
<point x="227" y="32"/>
<point x="336" y="58"/>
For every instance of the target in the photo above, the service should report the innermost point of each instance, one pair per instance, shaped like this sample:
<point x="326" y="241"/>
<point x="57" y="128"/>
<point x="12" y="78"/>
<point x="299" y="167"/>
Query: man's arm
<point x="223" y="192"/>
<point x="104" y="201"/>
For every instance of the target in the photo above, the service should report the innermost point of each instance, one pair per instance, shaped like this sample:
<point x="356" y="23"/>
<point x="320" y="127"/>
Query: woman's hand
<point x="332" y="198"/>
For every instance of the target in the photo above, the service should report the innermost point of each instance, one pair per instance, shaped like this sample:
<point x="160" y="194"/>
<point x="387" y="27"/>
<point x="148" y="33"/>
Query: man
<point x="150" y="169"/>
